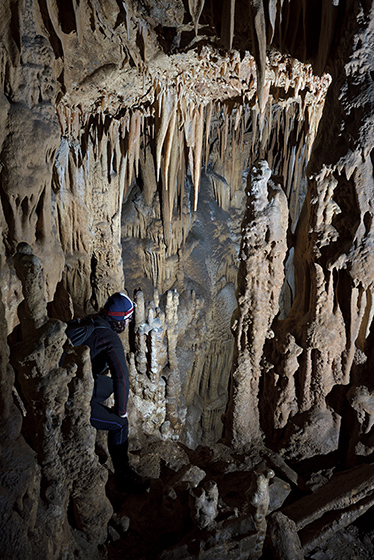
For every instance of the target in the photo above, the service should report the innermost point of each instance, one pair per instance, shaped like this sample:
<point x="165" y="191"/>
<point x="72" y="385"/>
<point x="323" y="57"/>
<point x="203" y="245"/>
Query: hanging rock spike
<point x="168" y="107"/>
<point x="196" y="7"/>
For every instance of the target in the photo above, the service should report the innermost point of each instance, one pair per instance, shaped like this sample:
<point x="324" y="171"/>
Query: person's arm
<point x="115" y="358"/>
<point x="118" y="368"/>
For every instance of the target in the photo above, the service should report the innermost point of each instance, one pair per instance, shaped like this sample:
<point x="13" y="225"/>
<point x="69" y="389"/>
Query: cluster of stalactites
<point x="179" y="122"/>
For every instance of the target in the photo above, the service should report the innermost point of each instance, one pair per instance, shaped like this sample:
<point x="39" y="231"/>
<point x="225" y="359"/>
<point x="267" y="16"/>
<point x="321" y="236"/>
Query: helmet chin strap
<point x="116" y="326"/>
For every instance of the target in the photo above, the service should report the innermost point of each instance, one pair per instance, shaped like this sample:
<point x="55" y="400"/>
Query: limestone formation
<point x="215" y="160"/>
<point x="258" y="498"/>
<point x="332" y="507"/>
<point x="67" y="475"/>
<point x="261" y="278"/>
<point x="203" y="505"/>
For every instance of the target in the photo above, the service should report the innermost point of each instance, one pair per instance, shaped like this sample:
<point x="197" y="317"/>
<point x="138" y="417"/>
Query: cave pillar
<point x="261" y="275"/>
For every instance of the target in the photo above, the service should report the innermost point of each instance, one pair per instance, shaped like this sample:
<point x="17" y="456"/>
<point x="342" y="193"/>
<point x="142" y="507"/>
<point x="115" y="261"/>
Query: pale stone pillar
<point x="261" y="276"/>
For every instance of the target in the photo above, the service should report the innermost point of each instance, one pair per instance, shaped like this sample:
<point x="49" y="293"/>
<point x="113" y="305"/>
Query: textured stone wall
<point x="53" y="485"/>
<point x="328" y="330"/>
<point x="131" y="137"/>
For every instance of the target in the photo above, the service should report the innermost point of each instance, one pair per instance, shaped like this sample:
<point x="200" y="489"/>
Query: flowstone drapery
<point x="320" y="360"/>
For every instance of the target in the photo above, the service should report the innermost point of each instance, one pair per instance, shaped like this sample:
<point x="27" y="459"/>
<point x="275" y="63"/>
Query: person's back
<point x="100" y="334"/>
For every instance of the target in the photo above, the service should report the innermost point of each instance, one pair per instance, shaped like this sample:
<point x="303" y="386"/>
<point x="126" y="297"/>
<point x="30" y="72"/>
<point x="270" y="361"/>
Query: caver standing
<point x="100" y="334"/>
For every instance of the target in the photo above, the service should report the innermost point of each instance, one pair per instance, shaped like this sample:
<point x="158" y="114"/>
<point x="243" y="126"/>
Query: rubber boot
<point x="126" y="478"/>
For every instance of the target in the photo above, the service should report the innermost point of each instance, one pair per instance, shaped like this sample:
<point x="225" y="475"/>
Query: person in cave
<point x="100" y="333"/>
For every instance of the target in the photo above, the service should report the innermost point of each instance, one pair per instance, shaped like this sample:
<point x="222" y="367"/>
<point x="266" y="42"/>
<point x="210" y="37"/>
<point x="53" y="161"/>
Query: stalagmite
<point x="59" y="431"/>
<point x="264" y="236"/>
<point x="258" y="498"/>
<point x="171" y="311"/>
<point x="283" y="378"/>
<point x="91" y="90"/>
<point x="203" y="503"/>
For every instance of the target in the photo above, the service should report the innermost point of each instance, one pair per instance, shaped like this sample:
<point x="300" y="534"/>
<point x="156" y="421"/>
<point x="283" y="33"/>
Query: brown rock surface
<point x="215" y="159"/>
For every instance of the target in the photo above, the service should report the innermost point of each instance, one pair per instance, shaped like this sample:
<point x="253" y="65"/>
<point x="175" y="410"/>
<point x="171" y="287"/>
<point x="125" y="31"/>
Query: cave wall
<point x="124" y="181"/>
<point x="330" y="320"/>
<point x="215" y="161"/>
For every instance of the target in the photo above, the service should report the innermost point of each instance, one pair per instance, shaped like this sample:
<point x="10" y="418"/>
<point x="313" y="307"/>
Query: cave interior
<point x="214" y="160"/>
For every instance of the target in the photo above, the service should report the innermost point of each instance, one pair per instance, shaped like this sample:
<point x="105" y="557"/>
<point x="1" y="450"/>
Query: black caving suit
<point x="106" y="350"/>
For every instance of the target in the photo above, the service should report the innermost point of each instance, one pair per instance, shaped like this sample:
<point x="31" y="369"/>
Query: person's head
<point x="118" y="311"/>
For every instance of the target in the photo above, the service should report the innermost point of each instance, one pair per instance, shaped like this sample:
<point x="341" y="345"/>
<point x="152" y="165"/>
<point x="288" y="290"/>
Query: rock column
<point x="261" y="277"/>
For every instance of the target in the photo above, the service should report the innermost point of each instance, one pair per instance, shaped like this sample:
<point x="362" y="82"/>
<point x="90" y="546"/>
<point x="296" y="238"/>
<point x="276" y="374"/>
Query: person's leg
<point x="102" y="418"/>
<point x="126" y="478"/>
<point x="103" y="388"/>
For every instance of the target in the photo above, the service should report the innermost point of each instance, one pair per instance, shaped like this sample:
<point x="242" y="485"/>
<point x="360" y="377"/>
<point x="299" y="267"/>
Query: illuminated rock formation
<point x="216" y="162"/>
<point x="261" y="277"/>
<point x="55" y="401"/>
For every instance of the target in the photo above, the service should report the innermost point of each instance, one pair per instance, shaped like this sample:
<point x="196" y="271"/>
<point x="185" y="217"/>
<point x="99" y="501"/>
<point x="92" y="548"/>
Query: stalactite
<point x="181" y="172"/>
<point x="254" y="114"/>
<point x="226" y="120"/>
<point x="75" y="126"/>
<point x="68" y="120"/>
<point x="207" y="133"/>
<point x="113" y="133"/>
<point x="173" y="170"/>
<point x="233" y="160"/>
<point x="124" y="125"/>
<point x="61" y="113"/>
<point x="228" y="20"/>
<point x="188" y="122"/>
<point x="166" y="108"/>
<point x="242" y="129"/>
<point x="101" y="138"/>
<point x="259" y="39"/>
<point x="169" y="139"/>
<point x="199" y="135"/>
<point x="166" y="217"/>
<point x="187" y="103"/>
<point x="369" y="316"/>
<point x="123" y="178"/>
<point x="133" y="144"/>
<point x="196" y="7"/>
<point x="357" y="308"/>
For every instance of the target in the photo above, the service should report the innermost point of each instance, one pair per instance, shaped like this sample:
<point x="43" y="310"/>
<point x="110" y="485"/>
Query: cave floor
<point x="159" y="519"/>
